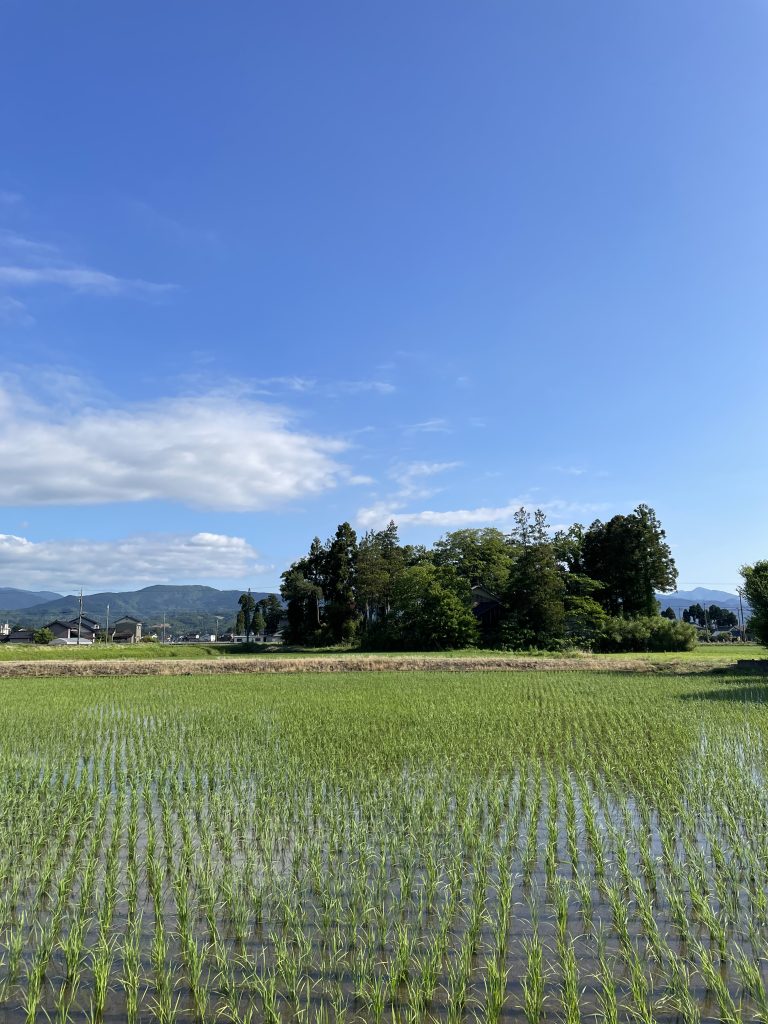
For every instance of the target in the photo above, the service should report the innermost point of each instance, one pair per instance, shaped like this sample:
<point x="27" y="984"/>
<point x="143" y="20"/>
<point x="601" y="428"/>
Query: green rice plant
<point x="750" y="975"/>
<point x="607" y="998"/>
<point x="533" y="980"/>
<point x="713" y="979"/>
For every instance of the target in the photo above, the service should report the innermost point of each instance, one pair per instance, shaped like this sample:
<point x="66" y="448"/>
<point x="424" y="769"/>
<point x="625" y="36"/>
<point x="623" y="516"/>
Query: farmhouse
<point x="68" y="629"/>
<point x="126" y="630"/>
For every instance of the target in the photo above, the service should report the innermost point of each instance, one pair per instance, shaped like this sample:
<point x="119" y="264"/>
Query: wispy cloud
<point x="434" y="426"/>
<point x="411" y="475"/>
<point x="210" y="451"/>
<point x="454" y="519"/>
<point x="28" y="263"/>
<point x="14" y="312"/>
<point x="66" y="565"/>
<point x="323" y="388"/>
<point x="10" y="198"/>
<point x="79" y="279"/>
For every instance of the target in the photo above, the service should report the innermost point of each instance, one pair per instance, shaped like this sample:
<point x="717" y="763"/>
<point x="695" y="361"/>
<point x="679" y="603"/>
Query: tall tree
<point x="272" y="611"/>
<point x="302" y="590"/>
<point x="380" y="559"/>
<point x="339" y="584"/>
<point x="430" y="611"/>
<point x="480" y="556"/>
<point x="756" y="592"/>
<point x="535" y="596"/>
<point x="247" y="604"/>
<point x="632" y="560"/>
<point x="721" y="618"/>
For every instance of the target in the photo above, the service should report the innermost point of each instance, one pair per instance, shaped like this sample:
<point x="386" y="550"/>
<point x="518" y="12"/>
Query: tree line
<point x="530" y="588"/>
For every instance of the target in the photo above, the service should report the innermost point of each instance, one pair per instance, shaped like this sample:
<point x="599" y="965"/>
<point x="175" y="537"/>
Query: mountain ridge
<point x="183" y="607"/>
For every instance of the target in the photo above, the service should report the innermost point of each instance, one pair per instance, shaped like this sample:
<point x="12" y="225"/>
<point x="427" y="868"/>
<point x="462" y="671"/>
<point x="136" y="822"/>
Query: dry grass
<point x="357" y="663"/>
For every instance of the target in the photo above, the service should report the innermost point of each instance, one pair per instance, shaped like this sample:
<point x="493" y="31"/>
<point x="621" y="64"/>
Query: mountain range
<point x="682" y="599"/>
<point x="11" y="598"/>
<point x="183" y="608"/>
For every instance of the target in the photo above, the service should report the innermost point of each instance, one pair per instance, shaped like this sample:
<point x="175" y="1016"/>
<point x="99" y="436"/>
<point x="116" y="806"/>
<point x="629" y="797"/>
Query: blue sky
<point x="268" y="267"/>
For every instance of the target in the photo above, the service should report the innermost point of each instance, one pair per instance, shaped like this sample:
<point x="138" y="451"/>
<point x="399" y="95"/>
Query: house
<point x="486" y="607"/>
<point x="68" y="629"/>
<point x="126" y="630"/>
<point x="21" y="636"/>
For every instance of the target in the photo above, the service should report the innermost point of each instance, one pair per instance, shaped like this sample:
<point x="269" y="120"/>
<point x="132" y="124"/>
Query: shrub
<point x="651" y="633"/>
<point x="43" y="636"/>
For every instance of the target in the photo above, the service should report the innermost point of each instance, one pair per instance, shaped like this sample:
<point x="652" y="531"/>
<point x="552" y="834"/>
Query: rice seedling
<point x="357" y="847"/>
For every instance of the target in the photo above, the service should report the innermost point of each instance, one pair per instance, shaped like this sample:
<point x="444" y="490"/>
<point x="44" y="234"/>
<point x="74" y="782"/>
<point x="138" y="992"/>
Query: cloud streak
<point x="141" y="560"/>
<point x="78" y="279"/>
<point x="378" y="515"/>
<point x="212" y="451"/>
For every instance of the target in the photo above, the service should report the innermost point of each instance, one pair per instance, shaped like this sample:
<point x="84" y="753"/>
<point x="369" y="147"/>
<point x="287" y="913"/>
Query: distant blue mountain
<point x="682" y="599"/>
<point x="11" y="598"/>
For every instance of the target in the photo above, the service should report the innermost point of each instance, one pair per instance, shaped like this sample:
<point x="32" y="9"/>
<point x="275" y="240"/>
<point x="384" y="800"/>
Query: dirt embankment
<point x="357" y="663"/>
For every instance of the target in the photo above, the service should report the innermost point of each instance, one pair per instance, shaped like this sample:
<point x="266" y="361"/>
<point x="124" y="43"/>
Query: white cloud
<point x="434" y="426"/>
<point x="213" y="451"/>
<point x="66" y="565"/>
<point x="13" y="311"/>
<point x="78" y="279"/>
<point x="326" y="389"/>
<point x="410" y="476"/>
<point x="380" y="514"/>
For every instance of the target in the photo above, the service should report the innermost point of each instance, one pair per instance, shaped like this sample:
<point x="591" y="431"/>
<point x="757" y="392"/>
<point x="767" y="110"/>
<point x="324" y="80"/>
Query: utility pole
<point x="106" y="634"/>
<point x="80" y="617"/>
<point x="218" y="619"/>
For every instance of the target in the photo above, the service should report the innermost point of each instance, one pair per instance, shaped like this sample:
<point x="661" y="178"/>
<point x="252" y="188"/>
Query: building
<point x="126" y="630"/>
<point x="68" y="629"/>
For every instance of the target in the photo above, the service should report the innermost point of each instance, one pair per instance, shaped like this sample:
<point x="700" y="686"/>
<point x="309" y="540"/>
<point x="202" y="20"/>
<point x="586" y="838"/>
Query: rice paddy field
<point x="481" y="846"/>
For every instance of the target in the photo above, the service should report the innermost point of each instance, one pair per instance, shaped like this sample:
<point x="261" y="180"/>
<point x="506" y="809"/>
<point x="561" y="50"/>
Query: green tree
<point x="669" y="613"/>
<point x="272" y="610"/>
<point x="340" y="569"/>
<point x="380" y="559"/>
<point x="695" y="614"/>
<point x="721" y="617"/>
<point x="535" y="596"/>
<point x="247" y="604"/>
<point x="481" y="556"/>
<point x="629" y="556"/>
<point x="756" y="592"/>
<point x="430" y="611"/>
<point x="42" y="636"/>
<point x="258" y="622"/>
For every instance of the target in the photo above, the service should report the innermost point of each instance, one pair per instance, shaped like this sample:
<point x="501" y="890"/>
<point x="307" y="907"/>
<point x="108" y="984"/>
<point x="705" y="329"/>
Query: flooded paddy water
<point x="466" y="846"/>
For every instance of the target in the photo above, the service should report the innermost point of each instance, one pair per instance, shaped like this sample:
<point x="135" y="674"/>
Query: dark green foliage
<point x="247" y="604"/>
<point x="629" y="556"/>
<point x="696" y="615"/>
<point x="479" y="556"/>
<point x="585" y="619"/>
<point x="722" y="618"/>
<point x="645" y="633"/>
<point x="258" y="622"/>
<point x="272" y="611"/>
<point x="339" y="577"/>
<point x="380" y="559"/>
<point x="756" y="592"/>
<point x="669" y="613"/>
<point x="535" y="594"/>
<point x="43" y="636"/>
<point x="430" y="611"/>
